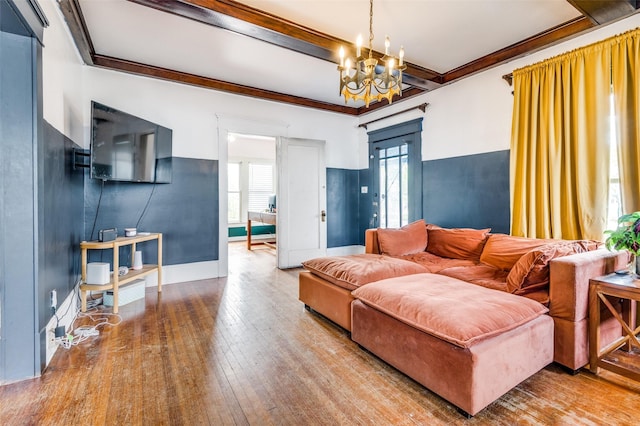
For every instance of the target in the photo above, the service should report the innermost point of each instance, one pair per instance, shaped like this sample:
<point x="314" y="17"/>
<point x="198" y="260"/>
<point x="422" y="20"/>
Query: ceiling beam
<point x="531" y="44"/>
<point x="604" y="11"/>
<point x="77" y="26"/>
<point x="210" y="83"/>
<point x="242" y="19"/>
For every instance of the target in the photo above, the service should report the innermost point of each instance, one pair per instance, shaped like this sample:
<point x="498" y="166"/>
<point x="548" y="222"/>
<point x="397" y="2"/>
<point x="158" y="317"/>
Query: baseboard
<point x="345" y="250"/>
<point x="183" y="272"/>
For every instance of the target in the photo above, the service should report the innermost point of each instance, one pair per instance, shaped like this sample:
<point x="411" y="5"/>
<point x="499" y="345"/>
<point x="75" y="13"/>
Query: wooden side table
<point x="627" y="288"/>
<point x="116" y="280"/>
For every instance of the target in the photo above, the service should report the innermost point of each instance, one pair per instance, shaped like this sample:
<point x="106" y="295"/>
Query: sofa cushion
<point x="531" y="271"/>
<point x="411" y="238"/>
<point x="457" y="243"/>
<point x="351" y="272"/>
<point x="452" y="310"/>
<point x="482" y="275"/>
<point x="435" y="264"/>
<point x="503" y="251"/>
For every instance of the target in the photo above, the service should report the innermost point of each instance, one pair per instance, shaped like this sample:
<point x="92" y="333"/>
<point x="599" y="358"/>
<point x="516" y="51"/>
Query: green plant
<point x="627" y="235"/>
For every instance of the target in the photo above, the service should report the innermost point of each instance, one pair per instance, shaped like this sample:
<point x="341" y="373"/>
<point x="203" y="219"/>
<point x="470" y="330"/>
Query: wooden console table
<point x="627" y="288"/>
<point x="263" y="217"/>
<point x="116" y="280"/>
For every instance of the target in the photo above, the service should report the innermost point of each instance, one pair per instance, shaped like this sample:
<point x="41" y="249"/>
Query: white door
<point x="301" y="220"/>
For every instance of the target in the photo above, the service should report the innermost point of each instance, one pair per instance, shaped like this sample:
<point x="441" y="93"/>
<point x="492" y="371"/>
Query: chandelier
<point x="363" y="79"/>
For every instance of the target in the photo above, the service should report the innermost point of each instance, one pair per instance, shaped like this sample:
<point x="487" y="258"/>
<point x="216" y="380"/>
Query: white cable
<point x="82" y="333"/>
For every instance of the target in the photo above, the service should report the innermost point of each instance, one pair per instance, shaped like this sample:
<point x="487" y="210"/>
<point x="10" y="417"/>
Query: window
<point x="614" y="209"/>
<point x="394" y="193"/>
<point x="235" y="195"/>
<point x="260" y="186"/>
<point x="249" y="186"/>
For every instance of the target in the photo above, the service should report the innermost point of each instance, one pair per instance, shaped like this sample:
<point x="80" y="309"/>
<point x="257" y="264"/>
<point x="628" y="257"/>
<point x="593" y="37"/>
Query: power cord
<point x="95" y="219"/>
<point x="144" y="211"/>
<point x="82" y="333"/>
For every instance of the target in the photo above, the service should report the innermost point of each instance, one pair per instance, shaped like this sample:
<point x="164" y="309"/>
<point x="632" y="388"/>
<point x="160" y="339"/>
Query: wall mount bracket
<point x="81" y="158"/>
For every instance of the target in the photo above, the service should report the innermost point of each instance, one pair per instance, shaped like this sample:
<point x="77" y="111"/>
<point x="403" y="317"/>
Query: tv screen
<point x="127" y="148"/>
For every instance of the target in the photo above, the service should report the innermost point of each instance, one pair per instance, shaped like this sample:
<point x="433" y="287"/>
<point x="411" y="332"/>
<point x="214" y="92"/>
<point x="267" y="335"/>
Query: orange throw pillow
<point x="503" y="251"/>
<point x="457" y="243"/>
<point x="409" y="239"/>
<point x="531" y="272"/>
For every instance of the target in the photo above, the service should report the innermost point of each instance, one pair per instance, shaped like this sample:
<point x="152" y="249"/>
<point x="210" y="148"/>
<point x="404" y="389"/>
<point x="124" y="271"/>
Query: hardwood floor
<point x="242" y="350"/>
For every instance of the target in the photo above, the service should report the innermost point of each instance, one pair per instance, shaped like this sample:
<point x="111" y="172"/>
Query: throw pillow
<point x="457" y="243"/>
<point x="531" y="271"/>
<point x="409" y="239"/>
<point x="503" y="251"/>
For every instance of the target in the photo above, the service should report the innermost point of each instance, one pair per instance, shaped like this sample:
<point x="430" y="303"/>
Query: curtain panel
<point x="625" y="56"/>
<point x="559" y="146"/>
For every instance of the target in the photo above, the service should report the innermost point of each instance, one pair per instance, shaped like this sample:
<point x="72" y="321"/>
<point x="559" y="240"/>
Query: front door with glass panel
<point x="396" y="166"/>
<point x="393" y="185"/>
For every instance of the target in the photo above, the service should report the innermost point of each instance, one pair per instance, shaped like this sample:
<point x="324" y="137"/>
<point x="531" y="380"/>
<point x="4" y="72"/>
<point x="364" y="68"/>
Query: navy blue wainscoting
<point x="185" y="211"/>
<point x="342" y="207"/>
<point x="61" y="192"/>
<point x="470" y="191"/>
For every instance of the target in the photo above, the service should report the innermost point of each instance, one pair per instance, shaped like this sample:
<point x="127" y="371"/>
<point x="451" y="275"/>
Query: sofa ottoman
<point x="466" y="343"/>
<point x="327" y="287"/>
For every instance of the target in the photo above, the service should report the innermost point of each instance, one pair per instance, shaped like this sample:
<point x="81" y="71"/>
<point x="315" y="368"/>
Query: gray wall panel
<point x="18" y="229"/>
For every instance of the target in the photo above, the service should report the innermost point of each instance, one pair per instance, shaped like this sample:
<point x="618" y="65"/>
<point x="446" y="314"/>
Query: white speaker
<point x="98" y="273"/>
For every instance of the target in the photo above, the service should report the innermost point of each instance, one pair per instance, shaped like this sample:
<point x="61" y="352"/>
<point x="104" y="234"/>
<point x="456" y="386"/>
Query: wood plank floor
<point x="242" y="350"/>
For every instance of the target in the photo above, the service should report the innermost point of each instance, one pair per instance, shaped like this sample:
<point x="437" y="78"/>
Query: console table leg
<point x="83" y="299"/>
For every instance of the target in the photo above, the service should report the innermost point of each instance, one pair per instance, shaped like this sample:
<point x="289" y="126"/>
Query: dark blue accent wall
<point x="342" y="207"/>
<point x="470" y="191"/>
<point x="61" y="192"/>
<point x="184" y="211"/>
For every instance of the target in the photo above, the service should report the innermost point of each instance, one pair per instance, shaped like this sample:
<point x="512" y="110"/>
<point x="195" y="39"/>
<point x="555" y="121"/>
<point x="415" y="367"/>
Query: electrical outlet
<point x="51" y="342"/>
<point x="54" y="299"/>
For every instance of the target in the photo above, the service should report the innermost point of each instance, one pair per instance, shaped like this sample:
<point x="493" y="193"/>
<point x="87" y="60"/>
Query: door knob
<point x="323" y="214"/>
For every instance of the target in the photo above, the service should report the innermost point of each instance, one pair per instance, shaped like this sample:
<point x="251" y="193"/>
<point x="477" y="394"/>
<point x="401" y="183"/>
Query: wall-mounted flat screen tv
<point x="127" y="148"/>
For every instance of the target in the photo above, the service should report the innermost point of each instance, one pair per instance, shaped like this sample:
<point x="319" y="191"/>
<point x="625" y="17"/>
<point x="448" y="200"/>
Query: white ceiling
<point x="437" y="34"/>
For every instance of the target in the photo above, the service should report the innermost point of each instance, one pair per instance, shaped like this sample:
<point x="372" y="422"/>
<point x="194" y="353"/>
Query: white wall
<point x="191" y="112"/>
<point x="473" y="115"/>
<point x="63" y="106"/>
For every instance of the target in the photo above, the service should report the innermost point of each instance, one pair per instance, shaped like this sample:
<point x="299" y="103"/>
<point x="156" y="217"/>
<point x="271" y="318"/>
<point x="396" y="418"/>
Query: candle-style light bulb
<point x="341" y="56"/>
<point x="387" y="43"/>
<point x="358" y="45"/>
<point x="391" y="64"/>
<point x="347" y="65"/>
<point x="401" y="55"/>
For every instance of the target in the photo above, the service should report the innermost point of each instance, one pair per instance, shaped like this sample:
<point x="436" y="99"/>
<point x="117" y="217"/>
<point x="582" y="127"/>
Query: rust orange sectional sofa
<point x="467" y="313"/>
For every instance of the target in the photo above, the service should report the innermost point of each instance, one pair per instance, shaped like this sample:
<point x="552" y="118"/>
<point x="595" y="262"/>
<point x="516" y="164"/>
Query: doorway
<point x="251" y="194"/>
<point x="395" y="159"/>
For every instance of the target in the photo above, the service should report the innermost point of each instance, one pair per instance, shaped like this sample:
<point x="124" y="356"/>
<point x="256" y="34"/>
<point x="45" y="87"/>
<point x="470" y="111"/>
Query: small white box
<point x="126" y="294"/>
<point x="98" y="273"/>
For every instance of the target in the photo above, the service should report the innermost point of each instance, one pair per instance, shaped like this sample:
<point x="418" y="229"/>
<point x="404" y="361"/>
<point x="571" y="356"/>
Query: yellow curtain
<point x="559" y="149"/>
<point x="625" y="56"/>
